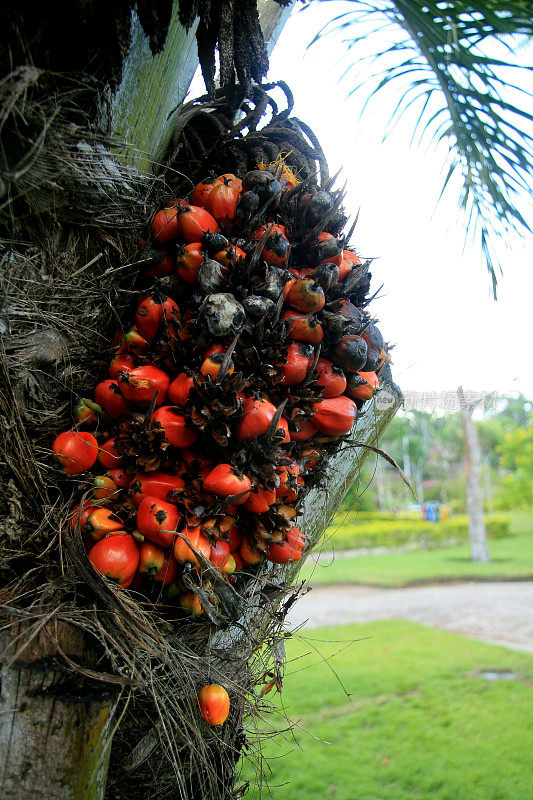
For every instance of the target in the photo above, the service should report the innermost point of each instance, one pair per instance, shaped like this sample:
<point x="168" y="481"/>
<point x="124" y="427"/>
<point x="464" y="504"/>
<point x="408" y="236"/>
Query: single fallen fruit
<point x="214" y="704"/>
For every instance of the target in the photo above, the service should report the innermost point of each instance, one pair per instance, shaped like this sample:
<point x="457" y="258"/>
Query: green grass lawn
<point x="511" y="557"/>
<point x="421" y="722"/>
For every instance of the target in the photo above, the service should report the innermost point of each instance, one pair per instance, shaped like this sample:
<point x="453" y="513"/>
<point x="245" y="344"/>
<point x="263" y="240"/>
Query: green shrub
<point x="366" y="532"/>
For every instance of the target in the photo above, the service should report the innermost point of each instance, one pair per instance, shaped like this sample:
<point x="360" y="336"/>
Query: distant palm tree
<point x="442" y="58"/>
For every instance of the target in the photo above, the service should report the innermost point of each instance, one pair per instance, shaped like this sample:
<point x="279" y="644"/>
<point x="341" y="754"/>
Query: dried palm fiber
<point x="71" y="220"/>
<point x="209" y="133"/>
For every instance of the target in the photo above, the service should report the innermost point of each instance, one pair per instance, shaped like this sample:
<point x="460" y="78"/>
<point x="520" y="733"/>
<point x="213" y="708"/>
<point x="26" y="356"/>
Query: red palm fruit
<point x="158" y="521"/>
<point x="108" y="395"/>
<point x="234" y="538"/>
<point x="306" y="429"/>
<point x="201" y="191"/>
<point x="141" y="385"/>
<point x="191" y="604"/>
<point x="248" y="553"/>
<point x="335" y="416"/>
<point x="291" y="550"/>
<point x="231" y="180"/>
<point x="108" y="455"/>
<point x="331" y="377"/>
<point x="219" y="554"/>
<point x="178" y="391"/>
<point x="156" y="484"/>
<point x="260" y="500"/>
<point x="228" y="257"/>
<point x="174" y="426"/>
<point x="120" y="478"/>
<point x="168" y="570"/>
<point x="350" y="352"/>
<point x="76" y="451"/>
<point x="133" y="341"/>
<point x="212" y="364"/>
<point x="349" y="261"/>
<point x="288" y="286"/>
<point x="193" y="221"/>
<point x="304" y="327"/>
<point x="226" y="481"/>
<point x="165" y="266"/>
<point x="152" y="558"/>
<point x="277" y="247"/>
<point x="368" y="384"/>
<point x="191" y="539"/>
<point x="214" y="704"/>
<point x="297" y="362"/>
<point x="165" y="225"/>
<point x="104" y="486"/>
<point x="116" y="557"/>
<point x="290" y="483"/>
<point x="283" y="426"/>
<point x="83" y="413"/>
<point x="78" y="515"/>
<point x="189" y="259"/>
<point x="121" y="362"/>
<point x="214" y="348"/>
<point x="301" y="273"/>
<point x="257" y="415"/>
<point x="151" y="311"/>
<point x="306" y="296"/>
<point x="222" y="200"/>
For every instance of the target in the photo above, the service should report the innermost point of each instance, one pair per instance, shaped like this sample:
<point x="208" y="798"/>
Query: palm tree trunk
<point x="474" y="492"/>
<point x="55" y="725"/>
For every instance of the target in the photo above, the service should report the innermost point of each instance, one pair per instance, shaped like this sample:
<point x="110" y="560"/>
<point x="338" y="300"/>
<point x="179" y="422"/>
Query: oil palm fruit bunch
<point x="240" y="370"/>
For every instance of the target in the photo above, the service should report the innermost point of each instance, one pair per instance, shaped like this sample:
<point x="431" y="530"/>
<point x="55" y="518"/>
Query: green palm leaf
<point x="464" y="96"/>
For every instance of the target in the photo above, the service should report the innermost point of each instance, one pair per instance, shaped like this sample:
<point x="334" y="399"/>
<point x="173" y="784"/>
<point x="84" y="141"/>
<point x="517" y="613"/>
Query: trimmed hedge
<point x="345" y="535"/>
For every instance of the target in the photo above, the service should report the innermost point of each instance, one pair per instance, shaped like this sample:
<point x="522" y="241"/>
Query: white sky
<point x="436" y="305"/>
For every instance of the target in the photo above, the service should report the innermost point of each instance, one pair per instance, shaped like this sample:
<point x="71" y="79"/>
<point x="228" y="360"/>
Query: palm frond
<point x="474" y="101"/>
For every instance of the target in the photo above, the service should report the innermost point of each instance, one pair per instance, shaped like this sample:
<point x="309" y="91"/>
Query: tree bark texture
<point x="474" y="492"/>
<point x="55" y="724"/>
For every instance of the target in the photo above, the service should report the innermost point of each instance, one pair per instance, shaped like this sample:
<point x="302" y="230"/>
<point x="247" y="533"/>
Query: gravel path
<point x="501" y="613"/>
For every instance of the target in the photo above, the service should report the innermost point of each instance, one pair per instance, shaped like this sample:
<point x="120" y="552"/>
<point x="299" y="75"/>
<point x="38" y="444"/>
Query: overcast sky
<point x="436" y="305"/>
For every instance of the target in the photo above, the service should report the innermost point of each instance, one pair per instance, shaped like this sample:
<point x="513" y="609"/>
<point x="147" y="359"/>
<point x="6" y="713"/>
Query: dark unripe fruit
<point x="211" y="276"/>
<point x="319" y="205"/>
<point x="214" y="242"/>
<point x="373" y="338"/>
<point x="326" y="275"/>
<point x="223" y="314"/>
<point x="350" y="353"/>
<point x="373" y="361"/>
<point x="257" y="179"/>
<point x="258" y="306"/>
